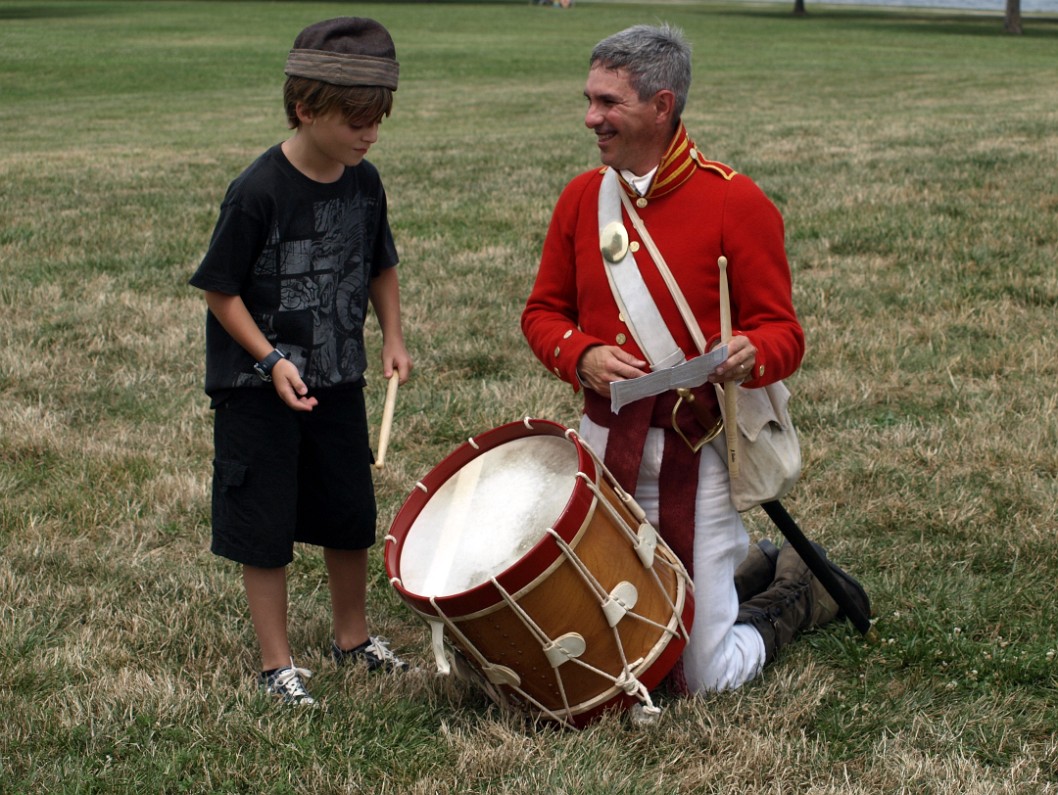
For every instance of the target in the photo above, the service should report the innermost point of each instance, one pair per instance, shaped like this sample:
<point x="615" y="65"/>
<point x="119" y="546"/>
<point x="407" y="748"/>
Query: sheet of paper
<point x="689" y="374"/>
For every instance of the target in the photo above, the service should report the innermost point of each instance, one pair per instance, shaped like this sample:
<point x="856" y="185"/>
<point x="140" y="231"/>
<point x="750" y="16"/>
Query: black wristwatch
<point x="264" y="367"/>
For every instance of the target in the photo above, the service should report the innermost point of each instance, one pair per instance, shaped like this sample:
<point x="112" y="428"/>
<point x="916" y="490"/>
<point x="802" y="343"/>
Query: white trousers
<point x="720" y="654"/>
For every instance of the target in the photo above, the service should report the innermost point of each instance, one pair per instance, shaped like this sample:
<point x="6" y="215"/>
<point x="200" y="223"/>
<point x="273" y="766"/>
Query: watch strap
<point x="264" y="367"/>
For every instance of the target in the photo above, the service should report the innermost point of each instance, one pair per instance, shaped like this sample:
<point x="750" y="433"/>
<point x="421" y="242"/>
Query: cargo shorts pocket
<point x="228" y="475"/>
<point x="232" y="505"/>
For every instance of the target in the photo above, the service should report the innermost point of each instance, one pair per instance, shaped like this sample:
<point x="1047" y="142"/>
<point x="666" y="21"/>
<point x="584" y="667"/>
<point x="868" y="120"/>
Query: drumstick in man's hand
<point x="730" y="395"/>
<point x="387" y="419"/>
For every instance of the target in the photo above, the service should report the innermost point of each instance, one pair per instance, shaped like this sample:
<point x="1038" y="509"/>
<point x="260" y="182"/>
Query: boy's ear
<point x="304" y="114"/>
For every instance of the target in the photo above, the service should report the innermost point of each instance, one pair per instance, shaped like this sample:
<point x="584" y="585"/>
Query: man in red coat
<point x="749" y="602"/>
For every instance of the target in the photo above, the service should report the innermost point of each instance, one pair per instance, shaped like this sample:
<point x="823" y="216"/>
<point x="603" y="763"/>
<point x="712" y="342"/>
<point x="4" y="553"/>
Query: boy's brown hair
<point x="361" y="106"/>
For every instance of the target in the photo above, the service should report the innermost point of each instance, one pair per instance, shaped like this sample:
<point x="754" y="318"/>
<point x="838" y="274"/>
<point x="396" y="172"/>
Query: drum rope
<point x="600" y="592"/>
<point x="455" y="631"/>
<point x="543" y="639"/>
<point x="681" y="574"/>
<point x="485" y="664"/>
<point x="671" y="563"/>
<point x="578" y="564"/>
<point x="600" y="495"/>
<point x="637" y="689"/>
<point x="627" y="499"/>
<point x="532" y="626"/>
<point x="621" y="681"/>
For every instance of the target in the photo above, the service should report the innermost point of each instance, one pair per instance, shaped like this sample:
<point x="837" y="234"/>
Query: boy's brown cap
<point x="347" y="51"/>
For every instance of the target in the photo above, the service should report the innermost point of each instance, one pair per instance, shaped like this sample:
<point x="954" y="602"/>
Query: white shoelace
<point x="379" y="648"/>
<point x="288" y="681"/>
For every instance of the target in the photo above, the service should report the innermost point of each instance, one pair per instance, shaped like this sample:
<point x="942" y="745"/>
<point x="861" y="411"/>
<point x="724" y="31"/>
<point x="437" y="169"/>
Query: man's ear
<point x="665" y="106"/>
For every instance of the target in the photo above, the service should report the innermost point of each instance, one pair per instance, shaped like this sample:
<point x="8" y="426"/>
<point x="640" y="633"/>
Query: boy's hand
<point x="290" y="388"/>
<point x="395" y="359"/>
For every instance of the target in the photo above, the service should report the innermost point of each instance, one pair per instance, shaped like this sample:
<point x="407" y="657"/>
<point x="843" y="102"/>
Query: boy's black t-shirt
<point x="301" y="254"/>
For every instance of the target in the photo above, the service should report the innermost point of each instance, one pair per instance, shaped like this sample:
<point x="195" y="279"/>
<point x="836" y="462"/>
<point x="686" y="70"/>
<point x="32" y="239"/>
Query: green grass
<point x="913" y="155"/>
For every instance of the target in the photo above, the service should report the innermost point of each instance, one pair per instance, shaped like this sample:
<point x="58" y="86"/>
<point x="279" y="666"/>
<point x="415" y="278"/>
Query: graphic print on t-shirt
<point x="323" y="294"/>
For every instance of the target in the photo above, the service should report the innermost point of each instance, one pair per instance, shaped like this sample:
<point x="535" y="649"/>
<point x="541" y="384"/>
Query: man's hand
<point x="290" y="388"/>
<point x="738" y="366"/>
<point x="602" y="364"/>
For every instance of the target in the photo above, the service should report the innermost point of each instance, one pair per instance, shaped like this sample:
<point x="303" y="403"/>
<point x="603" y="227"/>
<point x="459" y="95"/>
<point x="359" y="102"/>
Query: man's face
<point x="626" y="128"/>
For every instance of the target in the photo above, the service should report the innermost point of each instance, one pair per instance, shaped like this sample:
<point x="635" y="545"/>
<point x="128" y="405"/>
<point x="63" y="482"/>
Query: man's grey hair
<point x="654" y="58"/>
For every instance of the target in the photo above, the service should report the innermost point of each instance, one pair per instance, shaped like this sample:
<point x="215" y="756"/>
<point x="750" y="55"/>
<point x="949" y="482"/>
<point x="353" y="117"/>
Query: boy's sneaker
<point x="373" y="652"/>
<point x="286" y="684"/>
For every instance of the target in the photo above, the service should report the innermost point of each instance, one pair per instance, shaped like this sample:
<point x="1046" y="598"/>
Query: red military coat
<point x="696" y="210"/>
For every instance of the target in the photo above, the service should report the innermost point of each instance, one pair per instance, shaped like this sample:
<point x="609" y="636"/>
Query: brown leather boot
<point x="796" y="601"/>
<point x="757" y="571"/>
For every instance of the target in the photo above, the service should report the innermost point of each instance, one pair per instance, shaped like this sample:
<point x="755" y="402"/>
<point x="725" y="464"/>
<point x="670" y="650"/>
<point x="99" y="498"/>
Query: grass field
<point x="914" y="156"/>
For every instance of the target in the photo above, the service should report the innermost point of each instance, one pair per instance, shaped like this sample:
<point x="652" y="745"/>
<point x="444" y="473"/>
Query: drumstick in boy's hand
<point x="387" y="419"/>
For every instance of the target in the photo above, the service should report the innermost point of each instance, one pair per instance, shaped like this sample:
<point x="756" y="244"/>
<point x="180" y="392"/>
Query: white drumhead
<point x="485" y="517"/>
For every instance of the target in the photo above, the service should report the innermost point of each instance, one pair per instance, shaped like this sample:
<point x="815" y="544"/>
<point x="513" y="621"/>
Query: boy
<point x="301" y="246"/>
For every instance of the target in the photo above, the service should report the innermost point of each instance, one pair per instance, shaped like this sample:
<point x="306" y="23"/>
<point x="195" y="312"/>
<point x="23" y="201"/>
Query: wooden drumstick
<point x="730" y="395"/>
<point x="387" y="419"/>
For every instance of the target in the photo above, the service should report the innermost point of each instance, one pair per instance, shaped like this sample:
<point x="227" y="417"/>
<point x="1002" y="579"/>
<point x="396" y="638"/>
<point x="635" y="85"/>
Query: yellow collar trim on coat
<point x="677" y="166"/>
